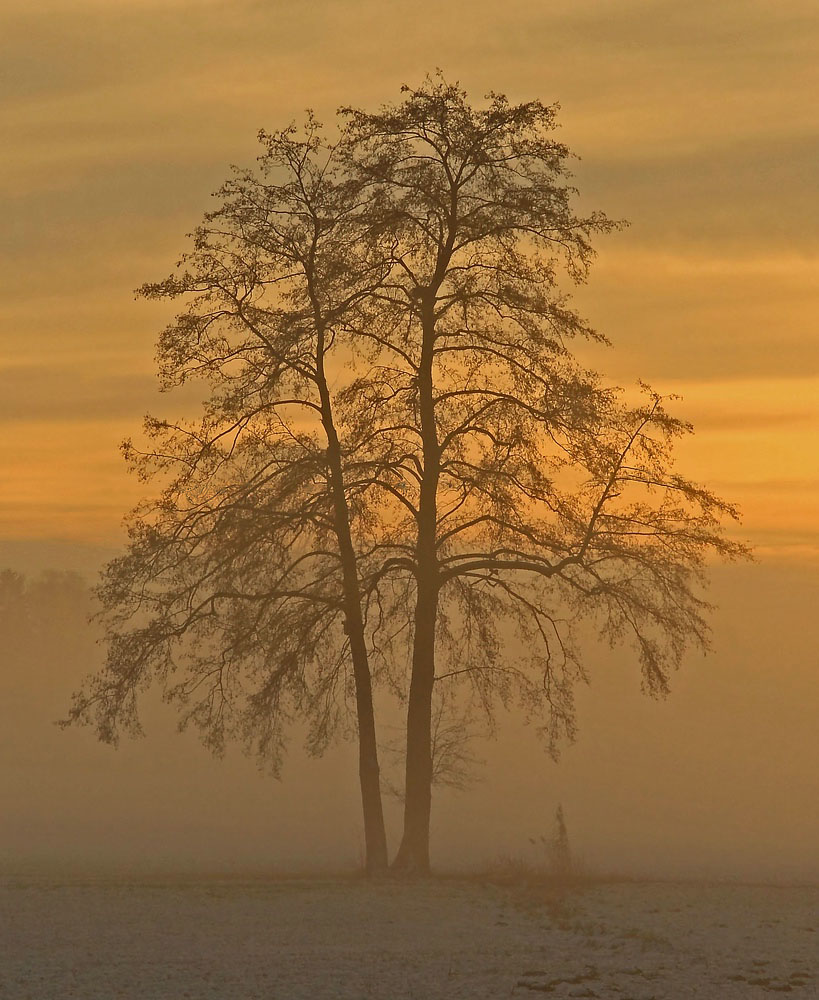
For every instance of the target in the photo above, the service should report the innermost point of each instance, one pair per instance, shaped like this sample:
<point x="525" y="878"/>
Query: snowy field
<point x="293" y="939"/>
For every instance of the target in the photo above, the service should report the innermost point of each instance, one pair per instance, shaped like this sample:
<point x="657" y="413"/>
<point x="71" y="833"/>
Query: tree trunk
<point x="413" y="854"/>
<point x="375" y="836"/>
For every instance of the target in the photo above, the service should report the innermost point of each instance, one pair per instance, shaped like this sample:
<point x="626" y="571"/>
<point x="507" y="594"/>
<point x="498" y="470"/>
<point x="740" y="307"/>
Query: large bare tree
<point x="533" y="493"/>
<point x="398" y="447"/>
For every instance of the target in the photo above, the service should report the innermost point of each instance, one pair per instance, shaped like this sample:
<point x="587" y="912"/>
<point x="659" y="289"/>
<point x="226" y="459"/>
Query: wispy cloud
<point x="697" y="122"/>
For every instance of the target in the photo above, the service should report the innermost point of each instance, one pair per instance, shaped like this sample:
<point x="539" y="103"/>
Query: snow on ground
<point x="293" y="939"/>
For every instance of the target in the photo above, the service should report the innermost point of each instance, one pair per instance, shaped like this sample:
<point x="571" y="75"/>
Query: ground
<point x="288" y="939"/>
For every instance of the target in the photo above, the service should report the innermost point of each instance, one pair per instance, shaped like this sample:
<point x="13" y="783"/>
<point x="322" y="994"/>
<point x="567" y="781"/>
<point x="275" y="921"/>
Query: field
<point x="305" y="938"/>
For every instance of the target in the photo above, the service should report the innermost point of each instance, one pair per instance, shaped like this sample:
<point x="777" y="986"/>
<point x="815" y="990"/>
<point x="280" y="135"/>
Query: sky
<point x="695" y="122"/>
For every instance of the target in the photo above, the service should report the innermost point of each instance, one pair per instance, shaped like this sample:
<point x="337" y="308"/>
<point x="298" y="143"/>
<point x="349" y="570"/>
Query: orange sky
<point x="696" y="122"/>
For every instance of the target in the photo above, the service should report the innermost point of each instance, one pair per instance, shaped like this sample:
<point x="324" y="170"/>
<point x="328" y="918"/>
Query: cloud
<point x="55" y="393"/>
<point x="70" y="393"/>
<point x="695" y="121"/>
<point x="610" y="57"/>
<point x="749" y="420"/>
<point x="701" y="313"/>
<point x="809" y="486"/>
<point x="738" y="194"/>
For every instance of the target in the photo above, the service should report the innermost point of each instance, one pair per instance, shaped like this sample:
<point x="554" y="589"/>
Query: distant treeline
<point x="45" y="622"/>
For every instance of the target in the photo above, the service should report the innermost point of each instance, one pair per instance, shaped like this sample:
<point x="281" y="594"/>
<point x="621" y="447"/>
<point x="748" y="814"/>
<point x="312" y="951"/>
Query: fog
<point x="720" y="780"/>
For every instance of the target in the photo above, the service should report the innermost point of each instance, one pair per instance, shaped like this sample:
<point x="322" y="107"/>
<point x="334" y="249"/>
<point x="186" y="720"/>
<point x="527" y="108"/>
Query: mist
<point x="689" y="824"/>
<point x="717" y="781"/>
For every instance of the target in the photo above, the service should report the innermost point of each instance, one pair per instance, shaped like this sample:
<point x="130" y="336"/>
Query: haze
<point x="695" y="122"/>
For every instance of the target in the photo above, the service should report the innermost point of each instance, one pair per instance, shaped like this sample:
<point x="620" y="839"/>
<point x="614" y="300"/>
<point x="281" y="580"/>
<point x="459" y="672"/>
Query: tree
<point x="398" y="447"/>
<point x="42" y="620"/>
<point x="240" y="591"/>
<point x="532" y="493"/>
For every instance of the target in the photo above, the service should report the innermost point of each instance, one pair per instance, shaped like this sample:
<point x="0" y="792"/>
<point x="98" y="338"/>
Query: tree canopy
<point x="401" y="474"/>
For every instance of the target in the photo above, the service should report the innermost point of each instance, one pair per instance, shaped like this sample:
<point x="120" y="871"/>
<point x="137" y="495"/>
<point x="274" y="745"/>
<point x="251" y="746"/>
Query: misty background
<point x="697" y="123"/>
<point x="717" y="781"/>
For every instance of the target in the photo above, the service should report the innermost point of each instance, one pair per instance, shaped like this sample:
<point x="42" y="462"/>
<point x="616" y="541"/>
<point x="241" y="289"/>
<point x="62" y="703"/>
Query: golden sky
<point x="697" y="122"/>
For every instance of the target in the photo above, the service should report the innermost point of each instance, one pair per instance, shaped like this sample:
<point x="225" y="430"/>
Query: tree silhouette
<point x="240" y="587"/>
<point x="535" y="494"/>
<point x="401" y="472"/>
